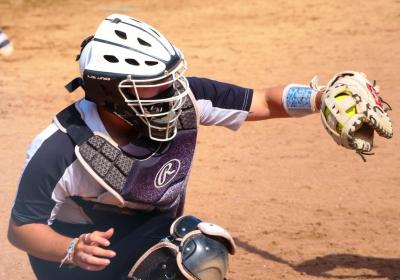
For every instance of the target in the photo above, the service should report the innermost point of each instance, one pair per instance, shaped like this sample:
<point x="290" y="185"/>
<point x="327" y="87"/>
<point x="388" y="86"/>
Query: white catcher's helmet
<point x="126" y="54"/>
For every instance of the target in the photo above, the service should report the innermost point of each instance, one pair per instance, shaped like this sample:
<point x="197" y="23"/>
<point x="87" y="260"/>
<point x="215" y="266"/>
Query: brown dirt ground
<point x="299" y="206"/>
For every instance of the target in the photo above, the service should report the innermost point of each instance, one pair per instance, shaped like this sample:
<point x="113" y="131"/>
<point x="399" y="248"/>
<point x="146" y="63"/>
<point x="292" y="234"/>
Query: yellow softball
<point x="350" y="112"/>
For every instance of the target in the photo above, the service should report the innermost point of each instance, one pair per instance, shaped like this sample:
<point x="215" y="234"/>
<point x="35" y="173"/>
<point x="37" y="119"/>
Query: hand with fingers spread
<point x="90" y="253"/>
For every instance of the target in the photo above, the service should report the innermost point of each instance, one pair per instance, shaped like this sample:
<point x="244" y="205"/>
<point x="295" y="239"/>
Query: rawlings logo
<point x="375" y="95"/>
<point x="167" y="173"/>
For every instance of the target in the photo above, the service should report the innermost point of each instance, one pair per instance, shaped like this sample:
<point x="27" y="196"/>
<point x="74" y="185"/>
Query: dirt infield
<point x="299" y="206"/>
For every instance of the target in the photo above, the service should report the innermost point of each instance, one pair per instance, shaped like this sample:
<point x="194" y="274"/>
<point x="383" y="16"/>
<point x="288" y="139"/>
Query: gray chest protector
<point x="155" y="183"/>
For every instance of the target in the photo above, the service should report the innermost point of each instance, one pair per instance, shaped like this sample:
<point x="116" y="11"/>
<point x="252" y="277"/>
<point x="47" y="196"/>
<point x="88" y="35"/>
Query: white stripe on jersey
<point x="90" y="115"/>
<point x="37" y="142"/>
<point x="74" y="182"/>
<point x="229" y="118"/>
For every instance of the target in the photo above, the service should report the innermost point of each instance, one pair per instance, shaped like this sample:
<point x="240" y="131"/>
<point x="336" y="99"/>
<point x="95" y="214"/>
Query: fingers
<point x="89" y="253"/>
<point x="98" y="237"/>
<point x="107" y="234"/>
<point x="92" y="257"/>
<point x="98" y="251"/>
<point x="90" y="262"/>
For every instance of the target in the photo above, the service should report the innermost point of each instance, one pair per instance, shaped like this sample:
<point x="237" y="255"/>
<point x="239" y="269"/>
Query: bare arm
<point x="43" y="242"/>
<point x="26" y="237"/>
<point x="267" y="104"/>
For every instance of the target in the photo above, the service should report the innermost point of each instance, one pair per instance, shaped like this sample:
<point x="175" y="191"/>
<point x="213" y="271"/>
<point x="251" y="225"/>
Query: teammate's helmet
<point x="124" y="55"/>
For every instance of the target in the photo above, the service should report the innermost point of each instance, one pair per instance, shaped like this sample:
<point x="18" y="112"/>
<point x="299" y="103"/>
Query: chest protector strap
<point x="69" y="121"/>
<point x="98" y="154"/>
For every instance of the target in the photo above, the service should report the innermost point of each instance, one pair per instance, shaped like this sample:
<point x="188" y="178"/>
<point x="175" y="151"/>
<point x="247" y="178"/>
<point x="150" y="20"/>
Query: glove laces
<point x="362" y="154"/>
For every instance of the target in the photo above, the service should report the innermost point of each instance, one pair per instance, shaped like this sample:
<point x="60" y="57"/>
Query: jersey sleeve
<point x="37" y="193"/>
<point x="221" y="103"/>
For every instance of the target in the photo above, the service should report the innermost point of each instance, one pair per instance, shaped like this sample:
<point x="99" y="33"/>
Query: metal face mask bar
<point x="160" y="113"/>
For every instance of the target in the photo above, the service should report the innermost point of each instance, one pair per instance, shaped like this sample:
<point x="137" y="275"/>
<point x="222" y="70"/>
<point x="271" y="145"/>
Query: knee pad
<point x="195" y="250"/>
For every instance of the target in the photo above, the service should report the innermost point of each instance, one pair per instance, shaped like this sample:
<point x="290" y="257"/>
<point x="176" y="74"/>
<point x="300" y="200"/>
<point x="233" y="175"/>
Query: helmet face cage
<point x="160" y="113"/>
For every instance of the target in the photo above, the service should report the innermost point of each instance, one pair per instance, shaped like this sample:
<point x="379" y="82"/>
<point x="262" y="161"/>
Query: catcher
<point x="103" y="190"/>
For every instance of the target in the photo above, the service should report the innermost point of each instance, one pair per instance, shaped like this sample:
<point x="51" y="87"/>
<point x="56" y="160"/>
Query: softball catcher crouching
<point x="103" y="190"/>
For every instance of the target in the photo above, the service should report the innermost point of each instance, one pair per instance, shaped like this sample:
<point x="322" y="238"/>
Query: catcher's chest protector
<point x="155" y="183"/>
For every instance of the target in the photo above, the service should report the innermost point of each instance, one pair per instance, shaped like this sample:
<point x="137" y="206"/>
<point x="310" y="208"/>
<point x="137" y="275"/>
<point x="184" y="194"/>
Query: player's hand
<point x="352" y="109"/>
<point x="90" y="253"/>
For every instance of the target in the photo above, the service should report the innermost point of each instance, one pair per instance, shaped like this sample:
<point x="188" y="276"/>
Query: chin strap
<point x="78" y="82"/>
<point x="74" y="84"/>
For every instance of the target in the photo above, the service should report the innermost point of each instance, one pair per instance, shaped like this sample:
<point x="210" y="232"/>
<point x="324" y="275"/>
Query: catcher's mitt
<point x="351" y="109"/>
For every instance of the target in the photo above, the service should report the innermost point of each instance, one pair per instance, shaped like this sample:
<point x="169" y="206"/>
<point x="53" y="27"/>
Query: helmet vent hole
<point x="132" y="61"/>
<point x="111" y="58"/>
<point x="143" y="42"/>
<point x="120" y="34"/>
<point x="151" y="63"/>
